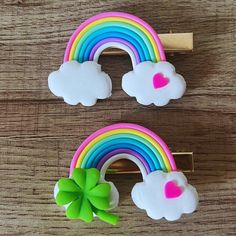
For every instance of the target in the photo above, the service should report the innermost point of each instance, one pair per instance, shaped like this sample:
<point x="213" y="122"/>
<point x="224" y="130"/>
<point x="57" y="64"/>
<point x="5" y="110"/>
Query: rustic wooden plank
<point x="33" y="211"/>
<point x="37" y="120"/>
<point x="39" y="133"/>
<point x="31" y="82"/>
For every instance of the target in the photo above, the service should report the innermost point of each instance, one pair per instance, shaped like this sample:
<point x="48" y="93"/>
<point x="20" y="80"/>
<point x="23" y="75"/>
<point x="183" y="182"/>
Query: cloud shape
<point x="114" y="194"/>
<point x="150" y="195"/>
<point x="80" y="83"/>
<point x="154" y="83"/>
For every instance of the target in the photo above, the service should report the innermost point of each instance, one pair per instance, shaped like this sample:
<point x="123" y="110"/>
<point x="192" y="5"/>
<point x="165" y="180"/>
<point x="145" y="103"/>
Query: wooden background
<point x="39" y="133"/>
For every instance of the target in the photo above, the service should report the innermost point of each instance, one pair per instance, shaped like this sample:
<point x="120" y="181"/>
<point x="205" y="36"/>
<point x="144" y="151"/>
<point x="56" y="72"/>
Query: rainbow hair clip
<point x="80" y="79"/>
<point x="164" y="192"/>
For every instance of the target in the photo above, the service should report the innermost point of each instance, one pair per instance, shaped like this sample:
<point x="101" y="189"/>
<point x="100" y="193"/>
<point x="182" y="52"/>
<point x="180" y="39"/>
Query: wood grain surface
<point x="39" y="133"/>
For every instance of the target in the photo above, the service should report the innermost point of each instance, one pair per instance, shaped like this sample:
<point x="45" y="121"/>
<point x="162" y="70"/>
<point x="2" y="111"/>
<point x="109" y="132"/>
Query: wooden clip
<point x="172" y="43"/>
<point x="184" y="161"/>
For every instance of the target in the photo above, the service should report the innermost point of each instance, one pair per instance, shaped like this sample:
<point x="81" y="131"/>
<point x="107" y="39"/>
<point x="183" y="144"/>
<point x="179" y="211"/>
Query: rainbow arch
<point x="127" y="139"/>
<point x="114" y="29"/>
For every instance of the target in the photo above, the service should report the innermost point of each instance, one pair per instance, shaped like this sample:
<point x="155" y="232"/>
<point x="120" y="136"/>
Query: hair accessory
<point x="164" y="191"/>
<point x="80" y="79"/>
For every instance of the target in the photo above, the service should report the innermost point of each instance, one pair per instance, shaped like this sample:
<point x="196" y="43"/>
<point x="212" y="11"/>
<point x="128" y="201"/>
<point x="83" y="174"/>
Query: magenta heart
<point x="172" y="190"/>
<point x="159" y="80"/>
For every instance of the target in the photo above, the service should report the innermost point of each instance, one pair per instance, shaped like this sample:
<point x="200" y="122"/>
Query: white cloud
<point x="150" y="195"/>
<point x="139" y="83"/>
<point x="80" y="83"/>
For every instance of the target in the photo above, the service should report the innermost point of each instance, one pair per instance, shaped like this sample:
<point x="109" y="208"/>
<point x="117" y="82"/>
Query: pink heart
<point x="159" y="80"/>
<point x="172" y="190"/>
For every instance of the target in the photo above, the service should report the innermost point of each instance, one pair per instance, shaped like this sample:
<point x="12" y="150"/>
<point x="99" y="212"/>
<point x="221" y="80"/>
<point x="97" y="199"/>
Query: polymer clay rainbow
<point x="117" y="29"/>
<point x="80" y="78"/>
<point x="126" y="139"/>
<point x="163" y="193"/>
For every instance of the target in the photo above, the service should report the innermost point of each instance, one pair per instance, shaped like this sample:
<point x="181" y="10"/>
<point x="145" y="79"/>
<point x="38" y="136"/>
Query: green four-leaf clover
<point x="85" y="196"/>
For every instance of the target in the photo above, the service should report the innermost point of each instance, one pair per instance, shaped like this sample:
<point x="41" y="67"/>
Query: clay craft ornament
<point x="80" y="79"/>
<point x="164" y="192"/>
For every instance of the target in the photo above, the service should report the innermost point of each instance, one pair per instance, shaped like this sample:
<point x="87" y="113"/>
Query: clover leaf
<point x="84" y="196"/>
